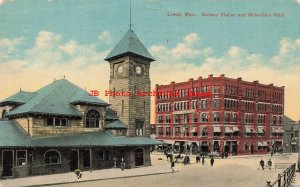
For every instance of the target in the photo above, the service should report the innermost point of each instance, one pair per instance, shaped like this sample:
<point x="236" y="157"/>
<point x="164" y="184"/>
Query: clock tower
<point x="129" y="73"/>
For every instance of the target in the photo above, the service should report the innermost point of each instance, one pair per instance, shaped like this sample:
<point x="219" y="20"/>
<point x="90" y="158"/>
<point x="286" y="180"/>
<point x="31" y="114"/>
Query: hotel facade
<point x="220" y="114"/>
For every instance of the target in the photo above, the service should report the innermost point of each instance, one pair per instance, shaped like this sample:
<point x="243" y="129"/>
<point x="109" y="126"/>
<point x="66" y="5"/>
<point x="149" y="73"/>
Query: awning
<point x="277" y="130"/>
<point x="250" y="129"/>
<point x="229" y="130"/>
<point x="217" y="129"/>
<point x="260" y="130"/>
<point x="168" y="141"/>
<point x="203" y="128"/>
<point x="197" y="143"/>
<point x="262" y="144"/>
<point x="192" y="129"/>
<point x="235" y="129"/>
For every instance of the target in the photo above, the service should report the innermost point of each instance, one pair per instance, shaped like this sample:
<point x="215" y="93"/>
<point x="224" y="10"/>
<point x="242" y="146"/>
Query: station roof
<point x="12" y="135"/>
<point x="17" y="99"/>
<point x="54" y="99"/>
<point x="117" y="124"/>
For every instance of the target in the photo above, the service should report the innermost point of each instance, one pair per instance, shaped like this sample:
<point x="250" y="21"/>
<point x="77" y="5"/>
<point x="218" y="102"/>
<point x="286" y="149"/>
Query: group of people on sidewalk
<point x="262" y="164"/>
<point x="186" y="160"/>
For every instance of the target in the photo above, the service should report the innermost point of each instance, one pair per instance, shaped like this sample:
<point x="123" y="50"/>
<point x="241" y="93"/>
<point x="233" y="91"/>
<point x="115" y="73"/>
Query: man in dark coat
<point x="270" y="164"/>
<point x="262" y="164"/>
<point x="212" y="160"/>
<point x="203" y="159"/>
<point x="172" y="166"/>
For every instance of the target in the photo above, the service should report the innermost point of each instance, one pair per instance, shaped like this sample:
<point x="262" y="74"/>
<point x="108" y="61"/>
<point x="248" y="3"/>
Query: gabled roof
<point x="111" y="114"/>
<point x="55" y="99"/>
<point x="17" y="99"/>
<point x="117" y="124"/>
<point x="129" y="44"/>
<point x="82" y="97"/>
<point x="12" y="135"/>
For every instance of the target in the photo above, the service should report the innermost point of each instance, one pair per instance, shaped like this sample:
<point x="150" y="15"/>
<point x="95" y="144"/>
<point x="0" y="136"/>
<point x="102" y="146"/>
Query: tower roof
<point x="129" y="44"/>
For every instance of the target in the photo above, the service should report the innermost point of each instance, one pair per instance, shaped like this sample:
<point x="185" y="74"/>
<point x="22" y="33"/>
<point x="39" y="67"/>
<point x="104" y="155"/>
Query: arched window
<point x="52" y="157"/>
<point x="92" y="119"/>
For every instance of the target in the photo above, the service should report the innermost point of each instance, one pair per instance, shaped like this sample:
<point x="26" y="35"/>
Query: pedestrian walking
<point x="203" y="159"/>
<point x="212" y="160"/>
<point x="122" y="164"/>
<point x="262" y="164"/>
<point x="197" y="159"/>
<point x="172" y="166"/>
<point x="270" y="164"/>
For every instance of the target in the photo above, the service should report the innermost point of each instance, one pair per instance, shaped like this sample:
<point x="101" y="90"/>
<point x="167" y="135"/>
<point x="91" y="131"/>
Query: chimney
<point x="211" y="75"/>
<point x="199" y="78"/>
<point x="239" y="79"/>
<point x="173" y="82"/>
<point x="271" y="84"/>
<point x="222" y="75"/>
<point x="255" y="82"/>
<point x="191" y="79"/>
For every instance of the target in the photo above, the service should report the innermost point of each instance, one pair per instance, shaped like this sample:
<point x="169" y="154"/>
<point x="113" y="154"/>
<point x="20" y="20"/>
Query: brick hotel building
<point x="235" y="116"/>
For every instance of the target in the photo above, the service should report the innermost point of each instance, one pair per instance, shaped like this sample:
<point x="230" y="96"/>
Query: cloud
<point x="8" y="47"/>
<point x="105" y="37"/>
<point x="191" y="38"/>
<point x="288" y="54"/>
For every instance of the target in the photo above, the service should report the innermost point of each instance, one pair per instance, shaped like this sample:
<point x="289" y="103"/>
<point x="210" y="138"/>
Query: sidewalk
<point x="103" y="174"/>
<point x="296" y="182"/>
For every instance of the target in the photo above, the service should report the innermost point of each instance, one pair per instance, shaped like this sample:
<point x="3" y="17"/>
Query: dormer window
<point x="92" y="119"/>
<point x="57" y="122"/>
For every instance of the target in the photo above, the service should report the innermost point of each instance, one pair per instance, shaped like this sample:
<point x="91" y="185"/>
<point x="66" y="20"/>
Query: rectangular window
<point x="177" y="131"/>
<point x="216" y="103"/>
<point x="21" y="158"/>
<point x="101" y="155"/>
<point x="168" y="131"/>
<point x="216" y="89"/>
<point x="57" y="122"/>
<point x="139" y="128"/>
<point x="107" y="155"/>
<point x="50" y="121"/>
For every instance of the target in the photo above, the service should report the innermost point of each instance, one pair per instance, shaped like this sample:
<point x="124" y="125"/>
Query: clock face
<point x="120" y="69"/>
<point x="138" y="70"/>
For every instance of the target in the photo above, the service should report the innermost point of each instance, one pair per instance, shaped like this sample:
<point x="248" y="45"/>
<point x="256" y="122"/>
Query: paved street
<point x="234" y="171"/>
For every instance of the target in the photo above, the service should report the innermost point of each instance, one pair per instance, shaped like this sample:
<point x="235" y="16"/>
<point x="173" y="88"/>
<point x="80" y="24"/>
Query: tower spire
<point x="130" y="16"/>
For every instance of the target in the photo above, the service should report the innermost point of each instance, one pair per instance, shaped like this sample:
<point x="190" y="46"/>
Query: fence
<point x="284" y="179"/>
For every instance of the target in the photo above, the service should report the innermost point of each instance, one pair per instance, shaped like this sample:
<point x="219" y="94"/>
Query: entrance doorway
<point x="7" y="162"/>
<point x="139" y="157"/>
<point x="74" y="160"/>
<point x="234" y="148"/>
<point x="86" y="158"/>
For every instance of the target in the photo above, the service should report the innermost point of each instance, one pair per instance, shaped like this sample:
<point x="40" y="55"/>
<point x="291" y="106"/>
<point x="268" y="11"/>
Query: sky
<point x="43" y="40"/>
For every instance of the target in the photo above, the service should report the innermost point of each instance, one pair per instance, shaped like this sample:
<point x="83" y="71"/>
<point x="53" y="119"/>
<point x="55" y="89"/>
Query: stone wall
<point x="26" y="123"/>
<point x="38" y="125"/>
